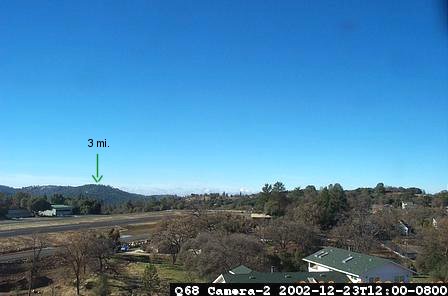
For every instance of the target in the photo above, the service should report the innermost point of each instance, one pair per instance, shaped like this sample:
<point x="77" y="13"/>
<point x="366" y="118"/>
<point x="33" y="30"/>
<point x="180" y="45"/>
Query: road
<point x="11" y="257"/>
<point x="118" y="220"/>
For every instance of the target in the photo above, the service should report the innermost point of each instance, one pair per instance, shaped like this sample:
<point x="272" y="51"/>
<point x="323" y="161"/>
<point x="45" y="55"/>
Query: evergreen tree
<point x="264" y="195"/>
<point x="379" y="189"/>
<point x="57" y="199"/>
<point x="38" y="204"/>
<point x="332" y="203"/>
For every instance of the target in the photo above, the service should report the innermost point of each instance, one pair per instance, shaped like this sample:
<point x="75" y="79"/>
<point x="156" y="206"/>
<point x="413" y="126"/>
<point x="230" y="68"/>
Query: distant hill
<point x="100" y="192"/>
<point x="7" y="190"/>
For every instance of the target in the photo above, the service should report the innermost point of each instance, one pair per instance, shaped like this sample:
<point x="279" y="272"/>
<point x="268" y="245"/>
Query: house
<point x="406" y="205"/>
<point x="18" y="213"/>
<point x="359" y="268"/>
<point x="405" y="229"/>
<point x="435" y="222"/>
<point x="243" y="274"/>
<point x="57" y="211"/>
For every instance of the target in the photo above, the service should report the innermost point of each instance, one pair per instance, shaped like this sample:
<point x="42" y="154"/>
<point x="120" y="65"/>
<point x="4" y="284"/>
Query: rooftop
<point x="61" y="207"/>
<point x="346" y="261"/>
<point x="242" y="269"/>
<point x="282" y="277"/>
<point x="260" y="216"/>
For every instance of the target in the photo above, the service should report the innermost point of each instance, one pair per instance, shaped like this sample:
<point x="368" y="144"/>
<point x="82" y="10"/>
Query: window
<point x="323" y="254"/>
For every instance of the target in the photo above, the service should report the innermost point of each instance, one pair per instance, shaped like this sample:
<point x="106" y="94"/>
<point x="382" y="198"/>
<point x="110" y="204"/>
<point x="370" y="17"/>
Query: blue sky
<point x="224" y="95"/>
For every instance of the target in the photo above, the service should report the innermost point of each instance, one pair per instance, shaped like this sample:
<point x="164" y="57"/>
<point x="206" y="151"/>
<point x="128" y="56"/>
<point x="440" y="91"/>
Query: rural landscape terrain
<point x="150" y="142"/>
<point x="141" y="244"/>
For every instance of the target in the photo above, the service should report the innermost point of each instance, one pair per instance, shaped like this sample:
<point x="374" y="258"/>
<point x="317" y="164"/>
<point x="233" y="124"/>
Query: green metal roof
<point x="285" y="277"/>
<point x="346" y="261"/>
<point x="242" y="269"/>
<point x="61" y="207"/>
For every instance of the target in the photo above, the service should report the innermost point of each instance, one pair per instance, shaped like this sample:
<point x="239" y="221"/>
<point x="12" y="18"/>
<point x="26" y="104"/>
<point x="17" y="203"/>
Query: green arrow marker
<point x="97" y="178"/>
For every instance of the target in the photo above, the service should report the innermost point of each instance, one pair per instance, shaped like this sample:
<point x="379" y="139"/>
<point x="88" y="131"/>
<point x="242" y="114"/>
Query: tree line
<point x="81" y="205"/>
<point x="304" y="219"/>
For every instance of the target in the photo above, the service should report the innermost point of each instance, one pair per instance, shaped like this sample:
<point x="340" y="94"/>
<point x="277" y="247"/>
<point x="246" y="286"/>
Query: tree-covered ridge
<point x="298" y="221"/>
<point x="324" y="206"/>
<point x="107" y="194"/>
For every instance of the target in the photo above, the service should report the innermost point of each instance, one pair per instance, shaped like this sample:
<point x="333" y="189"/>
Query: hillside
<point x="7" y="190"/>
<point x="100" y="192"/>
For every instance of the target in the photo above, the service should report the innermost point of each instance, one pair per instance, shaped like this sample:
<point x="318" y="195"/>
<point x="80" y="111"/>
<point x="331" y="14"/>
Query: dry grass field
<point x="126" y="281"/>
<point x="130" y="225"/>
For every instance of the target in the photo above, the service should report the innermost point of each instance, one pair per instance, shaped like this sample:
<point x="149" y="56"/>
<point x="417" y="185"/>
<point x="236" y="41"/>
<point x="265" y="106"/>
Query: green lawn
<point x="132" y="271"/>
<point x="167" y="271"/>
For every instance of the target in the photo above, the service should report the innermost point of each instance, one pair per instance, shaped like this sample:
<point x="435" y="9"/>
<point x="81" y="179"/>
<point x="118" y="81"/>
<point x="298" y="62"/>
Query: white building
<point x="404" y="228"/>
<point x="260" y="216"/>
<point x="434" y="223"/>
<point x="405" y="205"/>
<point x="359" y="268"/>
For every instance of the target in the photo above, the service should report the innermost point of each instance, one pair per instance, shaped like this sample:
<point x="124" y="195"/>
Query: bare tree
<point x="114" y="234"/>
<point x="287" y="234"/>
<point x="361" y="232"/>
<point x="75" y="254"/>
<point x="434" y="256"/>
<point x="100" y="248"/>
<point x="212" y="253"/>
<point x="36" y="246"/>
<point x="173" y="234"/>
<point x="308" y="213"/>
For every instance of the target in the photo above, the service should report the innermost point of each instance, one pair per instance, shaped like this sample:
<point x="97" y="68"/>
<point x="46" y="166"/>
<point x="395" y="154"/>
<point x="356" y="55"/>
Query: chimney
<point x="272" y="268"/>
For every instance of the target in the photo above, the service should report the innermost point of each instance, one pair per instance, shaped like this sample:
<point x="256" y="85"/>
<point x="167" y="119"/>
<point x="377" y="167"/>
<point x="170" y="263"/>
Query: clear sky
<point x="224" y="95"/>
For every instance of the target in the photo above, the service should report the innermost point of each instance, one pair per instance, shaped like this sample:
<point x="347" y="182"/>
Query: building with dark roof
<point x="243" y="274"/>
<point x="359" y="268"/>
<point x="18" y="213"/>
<point x="57" y="211"/>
